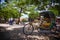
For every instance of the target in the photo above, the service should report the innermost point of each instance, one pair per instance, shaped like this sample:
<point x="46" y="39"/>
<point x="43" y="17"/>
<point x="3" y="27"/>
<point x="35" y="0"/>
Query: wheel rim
<point x="28" y="29"/>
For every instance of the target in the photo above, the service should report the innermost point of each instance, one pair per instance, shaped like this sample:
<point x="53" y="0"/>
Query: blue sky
<point x="2" y="1"/>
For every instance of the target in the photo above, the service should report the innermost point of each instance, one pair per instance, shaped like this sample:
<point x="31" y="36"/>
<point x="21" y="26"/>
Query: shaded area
<point x="17" y="34"/>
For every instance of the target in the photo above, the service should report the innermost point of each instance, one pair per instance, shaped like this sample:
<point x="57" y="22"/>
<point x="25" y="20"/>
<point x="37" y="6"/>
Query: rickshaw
<point x="46" y="22"/>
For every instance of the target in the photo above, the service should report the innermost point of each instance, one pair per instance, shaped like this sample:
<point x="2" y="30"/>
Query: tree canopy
<point x="10" y="8"/>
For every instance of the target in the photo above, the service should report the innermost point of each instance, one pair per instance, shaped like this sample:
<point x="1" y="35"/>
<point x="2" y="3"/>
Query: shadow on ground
<point x="17" y="34"/>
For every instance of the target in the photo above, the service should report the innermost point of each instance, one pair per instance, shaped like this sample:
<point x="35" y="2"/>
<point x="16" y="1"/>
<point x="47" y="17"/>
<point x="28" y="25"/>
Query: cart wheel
<point x="28" y="29"/>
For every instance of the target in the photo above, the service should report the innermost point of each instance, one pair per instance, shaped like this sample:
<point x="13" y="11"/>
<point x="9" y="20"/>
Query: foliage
<point x="24" y="20"/>
<point x="54" y="10"/>
<point x="8" y="10"/>
<point x="34" y="15"/>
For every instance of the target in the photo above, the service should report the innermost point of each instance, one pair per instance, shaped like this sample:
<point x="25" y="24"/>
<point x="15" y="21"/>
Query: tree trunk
<point x="5" y="20"/>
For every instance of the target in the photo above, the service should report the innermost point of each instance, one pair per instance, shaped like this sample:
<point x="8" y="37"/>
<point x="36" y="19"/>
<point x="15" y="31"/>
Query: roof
<point x="44" y="11"/>
<point x="47" y="13"/>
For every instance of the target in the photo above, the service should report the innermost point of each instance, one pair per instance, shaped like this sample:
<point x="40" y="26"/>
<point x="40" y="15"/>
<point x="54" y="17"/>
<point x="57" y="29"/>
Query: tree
<point x="33" y="15"/>
<point x="8" y="11"/>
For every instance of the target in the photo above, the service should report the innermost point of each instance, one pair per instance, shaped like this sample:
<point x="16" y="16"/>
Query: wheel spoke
<point x="28" y="29"/>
